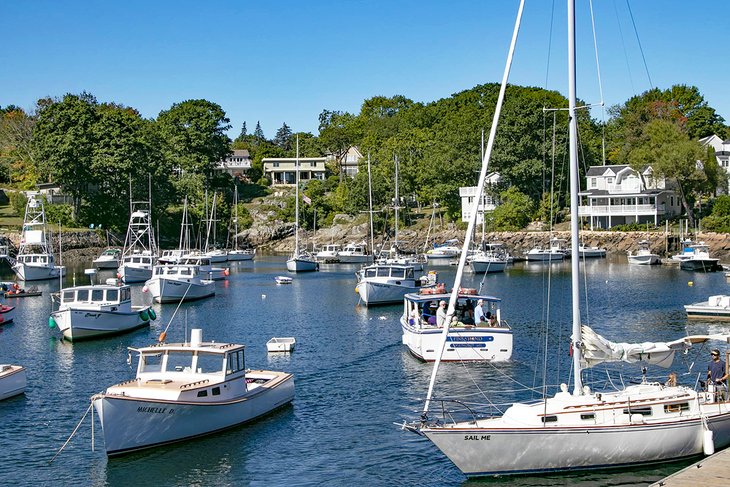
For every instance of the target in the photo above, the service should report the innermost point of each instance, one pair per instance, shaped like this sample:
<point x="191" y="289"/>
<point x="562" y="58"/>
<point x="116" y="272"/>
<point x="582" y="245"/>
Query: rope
<point x="74" y="432"/>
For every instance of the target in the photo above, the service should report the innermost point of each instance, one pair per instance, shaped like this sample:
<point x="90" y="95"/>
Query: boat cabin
<point x="420" y="309"/>
<point x="330" y="249"/>
<point x="138" y="258"/>
<point x="96" y="296"/>
<point x="113" y="253"/>
<point x="176" y="270"/>
<point x="195" y="260"/>
<point x="391" y="271"/>
<point x="356" y="249"/>
<point x="35" y="259"/>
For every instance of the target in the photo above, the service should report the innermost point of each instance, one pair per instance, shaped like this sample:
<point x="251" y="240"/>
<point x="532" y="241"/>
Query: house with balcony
<point x="236" y="164"/>
<point x="282" y="170"/>
<point x="468" y="198"/>
<point x="722" y="153"/>
<point x="619" y="195"/>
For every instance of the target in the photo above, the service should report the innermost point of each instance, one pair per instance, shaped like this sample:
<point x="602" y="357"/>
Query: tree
<point x="283" y="138"/>
<point x="17" y="157"/>
<point x="258" y="133"/>
<point x="244" y="132"/>
<point x="336" y="134"/>
<point x="514" y="212"/>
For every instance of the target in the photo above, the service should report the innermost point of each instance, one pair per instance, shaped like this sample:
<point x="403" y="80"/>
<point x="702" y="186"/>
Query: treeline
<point x="93" y="149"/>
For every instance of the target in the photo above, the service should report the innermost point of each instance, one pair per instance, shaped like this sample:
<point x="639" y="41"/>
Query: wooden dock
<point x="712" y="471"/>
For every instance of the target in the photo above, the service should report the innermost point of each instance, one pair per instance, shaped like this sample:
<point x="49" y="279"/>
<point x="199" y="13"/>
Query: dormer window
<point x="609" y="180"/>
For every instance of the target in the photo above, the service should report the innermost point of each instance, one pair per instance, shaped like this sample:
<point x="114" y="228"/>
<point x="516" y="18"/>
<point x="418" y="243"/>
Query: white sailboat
<point x="35" y="261"/>
<point x="211" y="250"/>
<point x="638" y="424"/>
<point x="301" y="260"/>
<point x="140" y="249"/>
<point x="235" y="253"/>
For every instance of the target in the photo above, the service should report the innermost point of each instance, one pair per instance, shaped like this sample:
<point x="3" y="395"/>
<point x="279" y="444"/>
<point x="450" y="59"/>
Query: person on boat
<point x="479" y="312"/>
<point x="491" y="319"/>
<point x="441" y="315"/>
<point x="468" y="316"/>
<point x="716" y="376"/>
<point x="671" y="380"/>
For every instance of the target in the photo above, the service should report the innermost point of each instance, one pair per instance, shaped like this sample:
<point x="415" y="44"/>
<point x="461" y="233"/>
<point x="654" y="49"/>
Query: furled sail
<point x="595" y="349"/>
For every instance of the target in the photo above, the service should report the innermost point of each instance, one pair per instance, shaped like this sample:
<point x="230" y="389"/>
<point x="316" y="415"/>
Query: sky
<point x="285" y="61"/>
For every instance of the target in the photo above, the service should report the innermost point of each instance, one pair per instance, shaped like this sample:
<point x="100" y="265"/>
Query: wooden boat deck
<point x="711" y="471"/>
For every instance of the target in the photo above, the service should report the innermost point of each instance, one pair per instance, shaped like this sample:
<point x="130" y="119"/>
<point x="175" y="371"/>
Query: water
<point x="354" y="379"/>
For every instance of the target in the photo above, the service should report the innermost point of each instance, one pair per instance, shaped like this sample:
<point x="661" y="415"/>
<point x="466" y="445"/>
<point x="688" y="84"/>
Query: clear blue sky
<point x="286" y="61"/>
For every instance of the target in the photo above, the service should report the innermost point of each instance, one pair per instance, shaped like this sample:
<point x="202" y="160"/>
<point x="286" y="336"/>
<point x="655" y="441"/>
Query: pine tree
<point x="258" y="133"/>
<point x="244" y="132"/>
<point x="283" y="137"/>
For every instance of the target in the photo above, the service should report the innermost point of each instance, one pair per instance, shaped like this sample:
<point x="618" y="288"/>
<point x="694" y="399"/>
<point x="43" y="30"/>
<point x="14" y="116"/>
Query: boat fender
<point x="51" y="322"/>
<point x="162" y="337"/>
<point x="357" y="289"/>
<point x="151" y="312"/>
<point x="708" y="445"/>
<point x="226" y="272"/>
<point x="144" y="316"/>
<point x="2" y="318"/>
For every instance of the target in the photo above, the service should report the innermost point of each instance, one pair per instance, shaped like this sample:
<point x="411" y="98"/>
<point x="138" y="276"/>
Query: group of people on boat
<point x="11" y="288"/>
<point x="467" y="313"/>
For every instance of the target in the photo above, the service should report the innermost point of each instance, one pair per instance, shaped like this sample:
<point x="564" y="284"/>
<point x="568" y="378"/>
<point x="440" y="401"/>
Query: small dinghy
<point x="281" y="344"/>
<point x="283" y="280"/>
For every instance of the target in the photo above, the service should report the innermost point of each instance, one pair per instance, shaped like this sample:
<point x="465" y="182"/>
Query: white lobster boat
<point x="13" y="380"/>
<point x="715" y="308"/>
<point x="98" y="310"/>
<point x="140" y="250"/>
<point x="355" y="253"/>
<point x="555" y="253"/>
<point x="35" y="261"/>
<point x="207" y="270"/>
<point x="328" y="253"/>
<point x="179" y="282"/>
<point x="388" y="283"/>
<point x="466" y="340"/>
<point x="643" y="255"/>
<point x="186" y="390"/>
<point x="109" y="259"/>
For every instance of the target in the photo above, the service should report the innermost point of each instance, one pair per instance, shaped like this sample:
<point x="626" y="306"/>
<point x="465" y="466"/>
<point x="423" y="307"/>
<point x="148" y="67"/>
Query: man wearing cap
<point x="716" y="375"/>
<point x="441" y="314"/>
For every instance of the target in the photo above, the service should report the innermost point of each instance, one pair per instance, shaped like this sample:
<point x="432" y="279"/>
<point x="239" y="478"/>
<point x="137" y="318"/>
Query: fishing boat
<point x="715" y="308"/>
<point x="205" y="266"/>
<point x="174" y="283"/>
<point x="687" y="251"/>
<point x="354" y="253"/>
<point x="98" y="310"/>
<point x="586" y="252"/>
<point x="185" y="390"/>
<point x="329" y="253"/>
<point x="35" y="261"/>
<point x="700" y="259"/>
<point x="556" y="252"/>
<point x="642" y="423"/>
<point x="140" y="249"/>
<point x="301" y="260"/>
<point x="235" y="253"/>
<point x="489" y="339"/>
<point x="109" y="259"/>
<point x="13" y="380"/>
<point x="388" y="283"/>
<point x="643" y="255"/>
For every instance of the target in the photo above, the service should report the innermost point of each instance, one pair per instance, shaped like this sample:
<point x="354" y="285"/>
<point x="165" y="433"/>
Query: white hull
<point x="78" y="324"/>
<point x="383" y="293"/>
<point x="354" y="258"/>
<point x="487" y="266"/>
<point x="236" y="255"/>
<point x="544" y="256"/>
<point x="299" y="264"/>
<point x="650" y="259"/>
<point x="589" y="253"/>
<point x="217" y="257"/>
<point x="699" y="264"/>
<point x="106" y="263"/>
<point x="26" y="272"/>
<point x="131" y="424"/>
<point x="135" y="274"/>
<point x="715" y="308"/>
<point x="165" y="290"/>
<point x="468" y="344"/>
<point x="12" y="381"/>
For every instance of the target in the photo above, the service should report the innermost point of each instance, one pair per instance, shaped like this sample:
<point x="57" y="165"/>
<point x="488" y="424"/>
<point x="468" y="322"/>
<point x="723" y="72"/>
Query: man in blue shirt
<point x="716" y="375"/>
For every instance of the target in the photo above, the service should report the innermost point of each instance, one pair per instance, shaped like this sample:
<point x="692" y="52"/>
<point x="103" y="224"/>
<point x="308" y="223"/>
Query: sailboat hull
<point x="488" y="266"/>
<point x="296" y="264"/>
<point x="511" y="451"/>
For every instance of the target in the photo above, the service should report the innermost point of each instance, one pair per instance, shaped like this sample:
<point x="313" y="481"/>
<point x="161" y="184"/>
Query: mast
<point x="370" y="204"/>
<point x="296" y="204"/>
<point x="575" y="261"/>
<point x="473" y="218"/>
<point x="397" y="202"/>
<point x="235" y="217"/>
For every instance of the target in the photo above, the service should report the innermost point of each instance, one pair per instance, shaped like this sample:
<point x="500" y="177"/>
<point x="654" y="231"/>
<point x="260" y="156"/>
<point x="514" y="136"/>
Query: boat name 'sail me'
<point x="147" y="409"/>
<point x="477" y="437"/>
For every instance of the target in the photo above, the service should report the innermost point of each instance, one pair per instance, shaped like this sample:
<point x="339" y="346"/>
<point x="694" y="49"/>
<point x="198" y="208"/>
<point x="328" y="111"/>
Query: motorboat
<point x="443" y="253"/>
<point x="715" y="308"/>
<point x="586" y="252"/>
<point x="7" y="314"/>
<point x="206" y="267"/>
<point x="13" y="380"/>
<point x="700" y="260"/>
<point x="395" y="257"/>
<point x="643" y="255"/>
<point x="355" y="253"/>
<point x="241" y="254"/>
<point x="328" y="253"/>
<point x="283" y="280"/>
<point x="301" y="260"/>
<point x="185" y="390"/>
<point x="687" y="251"/>
<point x="489" y="340"/>
<point x="109" y="259"/>
<point x="388" y="283"/>
<point x="98" y="310"/>
<point x="174" y="283"/>
<point x="140" y="250"/>
<point x="556" y="252"/>
<point x="35" y="261"/>
<point x="621" y="425"/>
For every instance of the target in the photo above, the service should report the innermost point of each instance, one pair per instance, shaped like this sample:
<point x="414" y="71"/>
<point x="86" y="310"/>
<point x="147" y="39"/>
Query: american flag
<point x="306" y="199"/>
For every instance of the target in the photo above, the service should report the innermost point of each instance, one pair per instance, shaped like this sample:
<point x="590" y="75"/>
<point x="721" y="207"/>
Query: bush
<point x="721" y="206"/>
<point x="18" y="200"/>
<point x="60" y="213"/>
<point x="264" y="182"/>
<point x="633" y="227"/>
<point x="715" y="223"/>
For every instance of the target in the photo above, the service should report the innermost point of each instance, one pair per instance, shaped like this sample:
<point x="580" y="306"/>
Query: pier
<point x="711" y="471"/>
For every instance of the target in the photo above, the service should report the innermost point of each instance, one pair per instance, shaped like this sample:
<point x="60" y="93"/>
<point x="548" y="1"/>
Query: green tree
<point x="17" y="155"/>
<point x="336" y="135"/>
<point x="258" y="133"/>
<point x="283" y="138"/>
<point x="514" y="212"/>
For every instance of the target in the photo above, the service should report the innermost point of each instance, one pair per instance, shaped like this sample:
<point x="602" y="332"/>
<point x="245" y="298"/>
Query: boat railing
<point x="193" y="384"/>
<point x="453" y="407"/>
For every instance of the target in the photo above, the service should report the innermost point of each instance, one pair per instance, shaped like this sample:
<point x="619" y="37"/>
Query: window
<point x="549" y="419"/>
<point x="82" y="295"/>
<point x="179" y="361"/>
<point x="210" y="363"/>
<point x="609" y="180"/>
<point x="594" y="182"/>
<point x="235" y="362"/>
<point x="151" y="363"/>
<point x="589" y="416"/>
<point x="677" y="407"/>
<point x="383" y="272"/>
<point x="97" y="295"/>
<point x="68" y="296"/>
<point x="216" y="391"/>
<point x="644" y="411"/>
<point x="202" y="393"/>
<point x="112" y="295"/>
<point x="276" y="164"/>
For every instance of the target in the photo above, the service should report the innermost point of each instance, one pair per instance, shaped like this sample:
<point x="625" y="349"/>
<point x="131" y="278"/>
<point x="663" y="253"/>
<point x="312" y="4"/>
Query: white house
<point x="236" y="164"/>
<point x="348" y="162"/>
<point x="722" y="153"/>
<point x="617" y="195"/>
<point x="282" y="170"/>
<point x="468" y="195"/>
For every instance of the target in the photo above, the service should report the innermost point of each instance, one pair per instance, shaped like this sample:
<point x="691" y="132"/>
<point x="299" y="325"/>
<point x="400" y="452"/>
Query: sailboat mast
<point x="370" y="204"/>
<point x="235" y="218"/>
<point x="574" y="222"/>
<point x="397" y="201"/>
<point x="473" y="218"/>
<point x="296" y="204"/>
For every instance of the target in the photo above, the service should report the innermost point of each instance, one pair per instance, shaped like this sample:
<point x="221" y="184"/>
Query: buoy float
<point x="51" y="322"/>
<point x="144" y="315"/>
<point x="357" y="289"/>
<point x="153" y="315"/>
<point x="145" y="289"/>
<point x="690" y="283"/>
<point x="162" y="337"/>
<point x="226" y="272"/>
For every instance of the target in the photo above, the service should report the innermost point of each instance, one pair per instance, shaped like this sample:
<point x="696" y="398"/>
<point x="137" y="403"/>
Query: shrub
<point x="715" y="223"/>
<point x="18" y="200"/>
<point x="633" y="227"/>
<point x="264" y="182"/>
<point x="60" y="213"/>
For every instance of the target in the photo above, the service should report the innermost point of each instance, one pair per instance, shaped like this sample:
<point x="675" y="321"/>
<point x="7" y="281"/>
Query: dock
<point x="708" y="472"/>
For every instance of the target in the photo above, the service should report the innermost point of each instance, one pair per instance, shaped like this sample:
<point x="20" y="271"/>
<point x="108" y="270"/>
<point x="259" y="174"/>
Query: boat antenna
<point x="370" y="209"/>
<point x="473" y="216"/>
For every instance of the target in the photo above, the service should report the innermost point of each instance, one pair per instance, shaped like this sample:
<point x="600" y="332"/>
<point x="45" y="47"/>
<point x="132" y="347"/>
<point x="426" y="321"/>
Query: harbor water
<point x="355" y="381"/>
